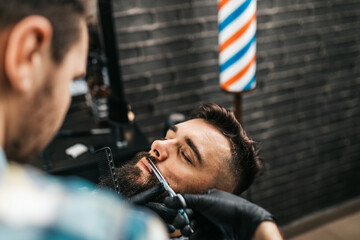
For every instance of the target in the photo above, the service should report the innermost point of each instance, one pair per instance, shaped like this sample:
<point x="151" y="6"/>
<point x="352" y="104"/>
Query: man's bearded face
<point x="131" y="180"/>
<point x="193" y="157"/>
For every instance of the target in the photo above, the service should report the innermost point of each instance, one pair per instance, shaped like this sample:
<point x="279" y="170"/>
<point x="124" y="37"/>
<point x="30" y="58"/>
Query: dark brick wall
<point x="304" y="111"/>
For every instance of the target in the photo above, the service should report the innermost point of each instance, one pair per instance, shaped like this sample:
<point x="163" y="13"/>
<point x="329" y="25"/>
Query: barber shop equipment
<point x="99" y="115"/>
<point x="237" y="48"/>
<point x="106" y="165"/>
<point x="113" y="100"/>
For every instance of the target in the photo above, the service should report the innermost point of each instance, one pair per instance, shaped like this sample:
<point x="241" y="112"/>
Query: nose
<point x="160" y="149"/>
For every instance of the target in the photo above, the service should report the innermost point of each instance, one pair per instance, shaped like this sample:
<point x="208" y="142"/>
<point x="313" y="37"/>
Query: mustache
<point x="147" y="156"/>
<point x="129" y="176"/>
<point x="152" y="159"/>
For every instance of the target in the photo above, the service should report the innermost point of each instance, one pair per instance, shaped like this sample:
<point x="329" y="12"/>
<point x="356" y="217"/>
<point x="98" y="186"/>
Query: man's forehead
<point x="205" y="136"/>
<point x="192" y="122"/>
<point x="198" y="123"/>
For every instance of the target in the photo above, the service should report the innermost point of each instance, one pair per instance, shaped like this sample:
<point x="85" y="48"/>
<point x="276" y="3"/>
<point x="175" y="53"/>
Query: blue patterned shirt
<point x="37" y="206"/>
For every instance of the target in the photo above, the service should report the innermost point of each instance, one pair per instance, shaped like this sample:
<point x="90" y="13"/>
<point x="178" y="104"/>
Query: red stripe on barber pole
<point x="236" y="35"/>
<point x="222" y="3"/>
<point x="238" y="76"/>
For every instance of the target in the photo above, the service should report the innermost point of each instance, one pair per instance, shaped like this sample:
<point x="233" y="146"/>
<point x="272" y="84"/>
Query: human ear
<point x="24" y="52"/>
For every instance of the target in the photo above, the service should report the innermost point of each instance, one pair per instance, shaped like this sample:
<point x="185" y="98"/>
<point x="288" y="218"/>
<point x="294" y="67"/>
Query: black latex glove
<point x="167" y="214"/>
<point x="234" y="216"/>
<point x="148" y="195"/>
<point x="203" y="229"/>
<point x="147" y="198"/>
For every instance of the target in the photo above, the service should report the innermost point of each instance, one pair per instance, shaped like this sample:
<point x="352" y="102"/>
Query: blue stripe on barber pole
<point x="235" y="14"/>
<point x="237" y="55"/>
<point x="251" y="84"/>
<point x="237" y="39"/>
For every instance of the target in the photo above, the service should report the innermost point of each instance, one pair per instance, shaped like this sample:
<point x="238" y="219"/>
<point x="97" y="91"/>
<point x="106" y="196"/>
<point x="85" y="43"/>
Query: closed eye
<point x="186" y="157"/>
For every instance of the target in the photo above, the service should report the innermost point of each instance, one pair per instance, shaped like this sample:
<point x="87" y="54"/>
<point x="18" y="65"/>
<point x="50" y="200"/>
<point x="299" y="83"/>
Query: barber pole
<point x="237" y="48"/>
<point x="237" y="45"/>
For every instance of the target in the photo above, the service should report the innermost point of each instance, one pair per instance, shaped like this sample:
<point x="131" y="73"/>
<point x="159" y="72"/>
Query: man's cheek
<point x="194" y="184"/>
<point x="144" y="178"/>
<point x="176" y="183"/>
<point x="178" y="178"/>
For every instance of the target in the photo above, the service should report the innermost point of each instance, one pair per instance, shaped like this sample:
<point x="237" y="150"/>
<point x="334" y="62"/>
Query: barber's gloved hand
<point x="148" y="195"/>
<point x="147" y="199"/>
<point x="202" y="228"/>
<point x="234" y="216"/>
<point x="167" y="214"/>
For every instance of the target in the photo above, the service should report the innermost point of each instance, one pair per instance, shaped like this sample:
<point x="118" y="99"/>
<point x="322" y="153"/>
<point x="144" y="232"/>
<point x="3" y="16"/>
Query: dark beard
<point x="129" y="177"/>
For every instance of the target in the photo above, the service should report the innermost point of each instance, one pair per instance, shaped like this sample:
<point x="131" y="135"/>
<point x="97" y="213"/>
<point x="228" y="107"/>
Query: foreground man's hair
<point x="64" y="16"/>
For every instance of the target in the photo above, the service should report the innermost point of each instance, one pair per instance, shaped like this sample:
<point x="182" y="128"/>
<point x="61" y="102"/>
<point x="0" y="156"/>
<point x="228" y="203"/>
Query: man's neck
<point x="3" y="39"/>
<point x="2" y="125"/>
<point x="2" y="137"/>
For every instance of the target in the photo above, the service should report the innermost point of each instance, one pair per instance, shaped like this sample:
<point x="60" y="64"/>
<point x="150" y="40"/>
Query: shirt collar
<point x="3" y="161"/>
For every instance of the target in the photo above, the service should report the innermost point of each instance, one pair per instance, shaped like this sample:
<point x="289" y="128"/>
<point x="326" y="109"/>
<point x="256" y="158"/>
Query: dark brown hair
<point x="64" y="16"/>
<point x="245" y="163"/>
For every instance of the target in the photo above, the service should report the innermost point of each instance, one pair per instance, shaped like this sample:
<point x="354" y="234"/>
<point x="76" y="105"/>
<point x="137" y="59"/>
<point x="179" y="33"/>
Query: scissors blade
<point x="161" y="179"/>
<point x="168" y="189"/>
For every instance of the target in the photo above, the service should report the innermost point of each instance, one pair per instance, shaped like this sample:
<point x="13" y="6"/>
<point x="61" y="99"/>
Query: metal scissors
<point x="170" y="191"/>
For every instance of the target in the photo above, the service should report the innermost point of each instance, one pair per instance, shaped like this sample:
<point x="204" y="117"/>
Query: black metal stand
<point x="237" y="103"/>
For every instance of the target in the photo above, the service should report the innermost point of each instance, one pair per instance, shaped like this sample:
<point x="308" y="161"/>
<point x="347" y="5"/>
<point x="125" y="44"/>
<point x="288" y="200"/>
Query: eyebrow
<point x="173" y="128"/>
<point x="190" y="143"/>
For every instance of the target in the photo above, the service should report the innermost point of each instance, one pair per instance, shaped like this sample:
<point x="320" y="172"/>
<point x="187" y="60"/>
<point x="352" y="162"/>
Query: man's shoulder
<point x="34" y="200"/>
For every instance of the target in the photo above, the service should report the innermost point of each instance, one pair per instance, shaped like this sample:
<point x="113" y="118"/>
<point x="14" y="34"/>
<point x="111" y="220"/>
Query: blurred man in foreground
<point x="43" y="48"/>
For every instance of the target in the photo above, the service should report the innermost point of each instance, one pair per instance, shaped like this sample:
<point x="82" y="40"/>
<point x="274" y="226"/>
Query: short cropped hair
<point x="64" y="16"/>
<point x="245" y="163"/>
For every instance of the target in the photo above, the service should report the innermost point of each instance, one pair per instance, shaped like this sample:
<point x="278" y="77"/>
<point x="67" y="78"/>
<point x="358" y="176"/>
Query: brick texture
<point x="304" y="112"/>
